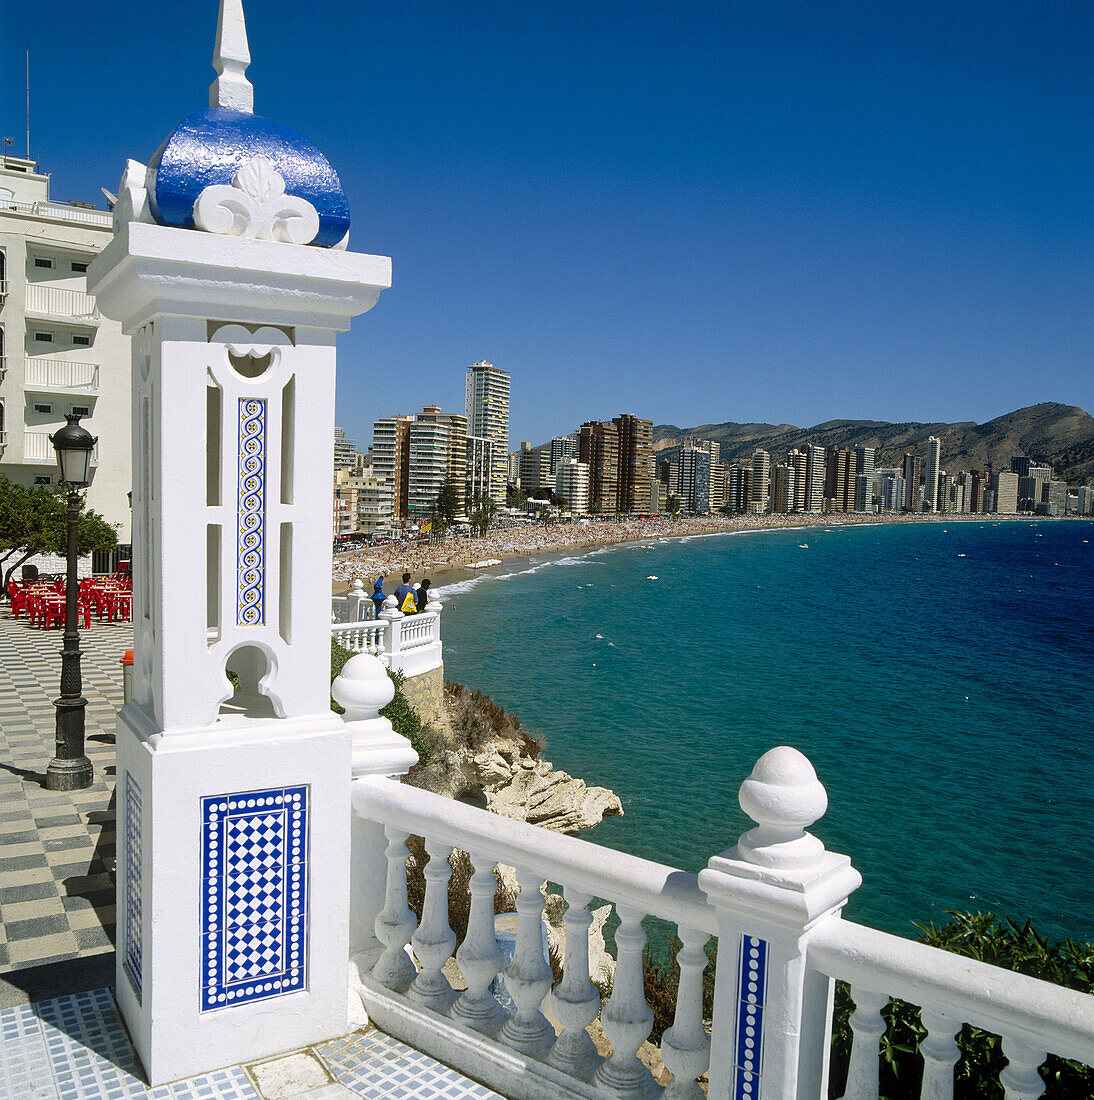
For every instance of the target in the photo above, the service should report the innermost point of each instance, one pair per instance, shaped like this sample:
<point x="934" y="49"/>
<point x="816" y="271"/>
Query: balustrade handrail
<point x="655" y="889"/>
<point x="1048" y="1016"/>
<point x="62" y="373"/>
<point x="60" y="301"/>
<point x="60" y="212"/>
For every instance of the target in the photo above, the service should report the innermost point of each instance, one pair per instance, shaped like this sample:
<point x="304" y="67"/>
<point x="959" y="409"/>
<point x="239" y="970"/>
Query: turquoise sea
<point x="939" y="676"/>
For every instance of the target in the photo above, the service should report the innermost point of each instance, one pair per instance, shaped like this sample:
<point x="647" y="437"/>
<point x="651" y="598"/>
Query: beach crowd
<point x="480" y="552"/>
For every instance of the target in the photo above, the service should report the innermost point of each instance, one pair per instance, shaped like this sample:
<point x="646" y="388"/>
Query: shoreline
<point x="450" y="562"/>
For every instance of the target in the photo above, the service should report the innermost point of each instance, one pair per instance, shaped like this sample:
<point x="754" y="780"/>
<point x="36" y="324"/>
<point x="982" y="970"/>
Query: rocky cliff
<point x="481" y="755"/>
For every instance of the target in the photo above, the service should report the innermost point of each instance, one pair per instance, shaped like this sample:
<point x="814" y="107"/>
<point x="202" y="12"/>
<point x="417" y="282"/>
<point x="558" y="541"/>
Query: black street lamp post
<point x="70" y="769"/>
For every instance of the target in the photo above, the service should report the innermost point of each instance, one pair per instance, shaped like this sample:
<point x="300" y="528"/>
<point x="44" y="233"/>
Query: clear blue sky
<point x="696" y="212"/>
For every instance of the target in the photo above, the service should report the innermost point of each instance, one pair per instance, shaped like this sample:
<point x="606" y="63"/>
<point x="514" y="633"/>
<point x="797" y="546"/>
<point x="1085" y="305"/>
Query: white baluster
<point x="576" y="1001"/>
<point x="940" y="1054"/>
<point x="395" y="922"/>
<point x="627" y="1019"/>
<point x="1020" y="1079"/>
<point x="528" y="976"/>
<point x="479" y="956"/>
<point x="868" y="1026"/>
<point x="434" y="941"/>
<point x="685" y="1046"/>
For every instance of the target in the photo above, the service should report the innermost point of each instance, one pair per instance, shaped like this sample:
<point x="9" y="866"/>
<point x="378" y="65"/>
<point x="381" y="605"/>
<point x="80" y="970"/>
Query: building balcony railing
<point x="3" y="289"/>
<point x="3" y="441"/>
<point x="60" y="303"/>
<point x="773" y="901"/>
<point x="37" y="448"/>
<point x="60" y="376"/>
<point x="3" y="367"/>
<point x="60" y="212"/>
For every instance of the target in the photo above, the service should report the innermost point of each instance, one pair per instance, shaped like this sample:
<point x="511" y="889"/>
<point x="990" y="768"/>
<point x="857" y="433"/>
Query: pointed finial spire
<point x="230" y="59"/>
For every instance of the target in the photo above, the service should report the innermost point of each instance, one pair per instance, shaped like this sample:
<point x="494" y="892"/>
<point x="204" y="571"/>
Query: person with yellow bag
<point x="405" y="599"/>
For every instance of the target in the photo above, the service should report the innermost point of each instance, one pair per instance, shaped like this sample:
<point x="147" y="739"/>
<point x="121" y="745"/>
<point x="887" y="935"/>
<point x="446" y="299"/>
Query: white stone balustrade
<point x="410" y="644"/>
<point x="774" y="902"/>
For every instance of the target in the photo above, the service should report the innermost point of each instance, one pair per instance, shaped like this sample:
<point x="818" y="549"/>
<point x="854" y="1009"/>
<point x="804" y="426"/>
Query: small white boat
<point x="803" y="546"/>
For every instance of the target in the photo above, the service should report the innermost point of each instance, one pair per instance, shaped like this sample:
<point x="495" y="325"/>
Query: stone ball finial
<point x="783" y="796"/>
<point x="391" y="604"/>
<point x="363" y="687"/>
<point x="358" y="585"/>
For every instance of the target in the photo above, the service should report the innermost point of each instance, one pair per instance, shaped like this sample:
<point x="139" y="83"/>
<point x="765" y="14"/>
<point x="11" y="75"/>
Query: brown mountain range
<point x="1059" y="435"/>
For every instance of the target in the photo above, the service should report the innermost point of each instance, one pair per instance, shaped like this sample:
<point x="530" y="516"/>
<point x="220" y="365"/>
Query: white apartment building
<point x="759" y="493"/>
<point x="572" y="484"/>
<point x="813" y="496"/>
<point x="57" y="354"/>
<point x="1006" y="493"/>
<point x="345" y="451"/>
<point x="930" y="475"/>
<point x="562" y="446"/>
<point x="388" y="436"/>
<point x="486" y="405"/>
<point x="427" y="466"/>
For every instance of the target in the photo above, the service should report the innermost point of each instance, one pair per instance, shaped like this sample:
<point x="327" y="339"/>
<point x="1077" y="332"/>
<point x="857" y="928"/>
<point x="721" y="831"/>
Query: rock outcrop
<point x="483" y="757"/>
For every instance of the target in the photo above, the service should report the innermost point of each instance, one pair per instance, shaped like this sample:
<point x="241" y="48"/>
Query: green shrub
<point x="662" y="982"/>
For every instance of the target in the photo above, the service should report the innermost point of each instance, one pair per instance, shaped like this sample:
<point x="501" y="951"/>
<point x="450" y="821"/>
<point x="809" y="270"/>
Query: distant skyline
<point x="703" y="212"/>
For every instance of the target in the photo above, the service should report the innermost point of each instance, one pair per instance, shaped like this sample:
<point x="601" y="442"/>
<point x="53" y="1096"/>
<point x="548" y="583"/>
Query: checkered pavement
<point x="56" y="848"/>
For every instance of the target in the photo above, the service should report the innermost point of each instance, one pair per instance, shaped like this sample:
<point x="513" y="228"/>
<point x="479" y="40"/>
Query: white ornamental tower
<point x="230" y="271"/>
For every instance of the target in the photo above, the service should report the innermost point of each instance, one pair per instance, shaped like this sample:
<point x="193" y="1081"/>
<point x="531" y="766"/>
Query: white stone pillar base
<point x="245" y="824"/>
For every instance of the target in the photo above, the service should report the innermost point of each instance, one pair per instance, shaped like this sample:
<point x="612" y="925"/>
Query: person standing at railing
<point x="422" y="595"/>
<point x="378" y="596"/>
<point x="404" y="597"/>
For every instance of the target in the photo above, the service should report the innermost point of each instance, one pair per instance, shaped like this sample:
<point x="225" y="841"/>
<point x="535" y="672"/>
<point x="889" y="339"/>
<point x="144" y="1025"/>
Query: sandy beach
<point x="456" y="559"/>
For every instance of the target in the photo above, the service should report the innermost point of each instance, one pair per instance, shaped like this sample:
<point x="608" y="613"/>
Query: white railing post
<point x="685" y="1047"/>
<point x="434" y="941"/>
<point x="363" y="688"/>
<point x="393" y="636"/>
<point x="627" y="1019"/>
<point x="528" y="976"/>
<point x="867" y="1028"/>
<point x="940" y="1054"/>
<point x="772" y="1014"/>
<point x="576" y="1001"/>
<point x="395" y="923"/>
<point x="479" y="957"/>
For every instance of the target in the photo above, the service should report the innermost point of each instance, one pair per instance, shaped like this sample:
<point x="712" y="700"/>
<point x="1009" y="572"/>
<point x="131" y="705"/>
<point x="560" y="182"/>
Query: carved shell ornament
<point x="255" y="205"/>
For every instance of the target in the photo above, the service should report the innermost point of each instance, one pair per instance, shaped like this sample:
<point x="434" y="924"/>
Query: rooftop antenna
<point x="28" y="101"/>
<point x="231" y="57"/>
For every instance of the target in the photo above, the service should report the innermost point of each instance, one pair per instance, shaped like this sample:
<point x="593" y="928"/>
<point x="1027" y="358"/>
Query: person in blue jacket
<point x="404" y="596"/>
<point x="378" y="596"/>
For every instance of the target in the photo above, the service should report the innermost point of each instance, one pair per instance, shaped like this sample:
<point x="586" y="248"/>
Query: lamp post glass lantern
<point x="70" y="769"/>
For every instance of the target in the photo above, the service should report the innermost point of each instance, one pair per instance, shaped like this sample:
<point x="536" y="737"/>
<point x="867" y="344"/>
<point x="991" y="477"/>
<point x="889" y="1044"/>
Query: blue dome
<point x="212" y="145"/>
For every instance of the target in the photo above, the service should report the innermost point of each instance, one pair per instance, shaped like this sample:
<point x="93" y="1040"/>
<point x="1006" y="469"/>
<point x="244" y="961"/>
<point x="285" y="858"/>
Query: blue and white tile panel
<point x="254" y="904"/>
<point x="251" y="548"/>
<point x="133" y="928"/>
<point x="751" y="994"/>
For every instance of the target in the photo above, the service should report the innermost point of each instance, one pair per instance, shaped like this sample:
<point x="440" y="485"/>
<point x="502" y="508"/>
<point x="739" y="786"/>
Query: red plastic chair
<point x="18" y="598"/>
<point x="52" y="609"/>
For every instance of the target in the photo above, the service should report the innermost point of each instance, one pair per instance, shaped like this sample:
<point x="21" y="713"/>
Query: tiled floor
<point x="56" y="849"/>
<point x="75" y="1048"/>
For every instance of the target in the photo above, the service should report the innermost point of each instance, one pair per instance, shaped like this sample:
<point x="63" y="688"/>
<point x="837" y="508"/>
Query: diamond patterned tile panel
<point x="254" y="895"/>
